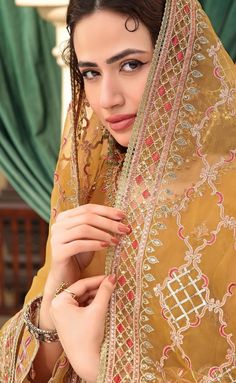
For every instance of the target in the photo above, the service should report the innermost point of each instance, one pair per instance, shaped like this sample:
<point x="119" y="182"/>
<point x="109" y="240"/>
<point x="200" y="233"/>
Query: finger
<point x="89" y="219"/>
<point x="104" y="211"/>
<point x="86" y="285"/>
<point x="101" y="300"/>
<point x="83" y="232"/>
<point x="83" y="246"/>
<point x="88" y="295"/>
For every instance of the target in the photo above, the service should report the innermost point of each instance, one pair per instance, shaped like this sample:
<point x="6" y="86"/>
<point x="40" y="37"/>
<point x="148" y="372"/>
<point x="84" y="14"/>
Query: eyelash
<point x="138" y="64"/>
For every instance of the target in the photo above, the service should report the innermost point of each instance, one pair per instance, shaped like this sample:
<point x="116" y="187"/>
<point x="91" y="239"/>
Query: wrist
<point x="66" y="272"/>
<point x="52" y="285"/>
<point x="45" y="320"/>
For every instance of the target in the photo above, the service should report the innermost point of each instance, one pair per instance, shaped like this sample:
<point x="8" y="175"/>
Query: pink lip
<point x="121" y="121"/>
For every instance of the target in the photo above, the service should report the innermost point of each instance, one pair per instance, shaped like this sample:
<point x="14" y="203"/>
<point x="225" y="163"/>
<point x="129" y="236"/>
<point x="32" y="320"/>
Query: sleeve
<point x="18" y="347"/>
<point x="18" y="350"/>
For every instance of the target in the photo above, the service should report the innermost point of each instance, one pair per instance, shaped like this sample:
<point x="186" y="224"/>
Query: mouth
<point x="121" y="122"/>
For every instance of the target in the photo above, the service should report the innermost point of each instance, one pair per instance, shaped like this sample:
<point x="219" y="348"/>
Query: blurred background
<point x="34" y="96"/>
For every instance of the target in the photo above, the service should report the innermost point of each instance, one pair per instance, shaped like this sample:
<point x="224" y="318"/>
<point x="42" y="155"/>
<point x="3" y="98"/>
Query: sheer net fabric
<point x="172" y="316"/>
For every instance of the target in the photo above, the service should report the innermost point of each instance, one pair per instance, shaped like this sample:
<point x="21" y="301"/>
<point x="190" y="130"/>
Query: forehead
<point x="104" y="33"/>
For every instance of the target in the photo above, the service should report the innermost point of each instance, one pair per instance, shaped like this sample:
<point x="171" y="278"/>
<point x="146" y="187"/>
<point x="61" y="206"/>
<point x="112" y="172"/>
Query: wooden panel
<point x="23" y="236"/>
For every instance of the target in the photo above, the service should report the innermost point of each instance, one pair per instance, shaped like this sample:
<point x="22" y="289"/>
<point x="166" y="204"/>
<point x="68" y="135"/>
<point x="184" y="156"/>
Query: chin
<point x="122" y="140"/>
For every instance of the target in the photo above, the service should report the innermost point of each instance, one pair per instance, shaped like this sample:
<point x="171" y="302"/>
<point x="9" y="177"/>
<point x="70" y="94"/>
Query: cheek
<point x="136" y="89"/>
<point x="93" y="98"/>
<point x="137" y="95"/>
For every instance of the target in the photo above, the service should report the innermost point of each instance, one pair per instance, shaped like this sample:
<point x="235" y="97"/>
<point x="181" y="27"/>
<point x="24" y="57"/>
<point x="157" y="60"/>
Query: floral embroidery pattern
<point x="167" y="268"/>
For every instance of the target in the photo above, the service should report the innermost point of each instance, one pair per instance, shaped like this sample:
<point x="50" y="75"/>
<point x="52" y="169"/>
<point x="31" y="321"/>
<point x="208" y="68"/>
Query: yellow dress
<point x="172" y="316"/>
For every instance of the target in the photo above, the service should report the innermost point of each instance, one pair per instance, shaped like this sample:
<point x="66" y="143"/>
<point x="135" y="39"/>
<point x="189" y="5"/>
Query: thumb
<point x="104" y="293"/>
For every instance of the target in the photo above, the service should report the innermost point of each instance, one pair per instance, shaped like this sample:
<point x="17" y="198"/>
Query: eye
<point x="89" y="74"/>
<point x="131" y="65"/>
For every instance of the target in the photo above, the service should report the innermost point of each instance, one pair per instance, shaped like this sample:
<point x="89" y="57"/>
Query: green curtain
<point x="222" y="14"/>
<point x="30" y="104"/>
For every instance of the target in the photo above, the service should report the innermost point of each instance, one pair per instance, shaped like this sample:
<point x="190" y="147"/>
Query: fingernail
<point x="121" y="215"/>
<point x="112" y="279"/>
<point x="105" y="244"/>
<point x="115" y="241"/>
<point x="124" y="229"/>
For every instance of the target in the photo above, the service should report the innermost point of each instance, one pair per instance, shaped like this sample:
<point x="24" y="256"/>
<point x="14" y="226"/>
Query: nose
<point x="111" y="94"/>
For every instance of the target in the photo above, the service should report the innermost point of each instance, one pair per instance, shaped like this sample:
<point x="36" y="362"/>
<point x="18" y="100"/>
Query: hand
<point x="77" y="234"/>
<point x="85" y="229"/>
<point x="80" y="326"/>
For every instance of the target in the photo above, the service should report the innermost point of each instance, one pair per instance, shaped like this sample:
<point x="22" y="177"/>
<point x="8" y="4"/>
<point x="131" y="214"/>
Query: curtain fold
<point x="30" y="104"/>
<point x="222" y="14"/>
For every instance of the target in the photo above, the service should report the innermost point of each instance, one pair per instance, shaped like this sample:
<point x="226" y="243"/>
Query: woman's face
<point x="114" y="64"/>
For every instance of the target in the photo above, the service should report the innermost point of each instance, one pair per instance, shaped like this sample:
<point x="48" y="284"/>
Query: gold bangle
<point x="47" y="336"/>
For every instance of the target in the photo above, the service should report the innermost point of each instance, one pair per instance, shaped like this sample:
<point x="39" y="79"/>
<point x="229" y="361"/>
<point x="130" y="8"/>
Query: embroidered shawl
<point x="172" y="316"/>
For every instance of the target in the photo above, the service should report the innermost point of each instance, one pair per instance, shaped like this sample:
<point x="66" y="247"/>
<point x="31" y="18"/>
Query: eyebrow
<point x="112" y="59"/>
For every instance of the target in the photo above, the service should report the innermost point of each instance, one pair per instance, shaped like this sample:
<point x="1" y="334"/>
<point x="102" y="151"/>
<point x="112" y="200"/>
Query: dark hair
<point x="149" y="12"/>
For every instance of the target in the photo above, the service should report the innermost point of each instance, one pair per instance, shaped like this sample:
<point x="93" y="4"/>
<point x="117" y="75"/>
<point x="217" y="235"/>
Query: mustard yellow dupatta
<point x="173" y="315"/>
<point x="172" y="318"/>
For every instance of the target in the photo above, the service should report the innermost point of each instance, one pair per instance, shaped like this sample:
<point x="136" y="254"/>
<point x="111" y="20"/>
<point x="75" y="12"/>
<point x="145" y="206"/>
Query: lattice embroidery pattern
<point x="125" y="308"/>
<point x="225" y="375"/>
<point x="144" y="179"/>
<point x="179" y="43"/>
<point x="181" y="312"/>
<point x="184" y="297"/>
<point x="184" y="307"/>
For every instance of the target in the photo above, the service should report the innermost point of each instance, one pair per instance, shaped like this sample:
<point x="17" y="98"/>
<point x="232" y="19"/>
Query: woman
<point x="158" y="218"/>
